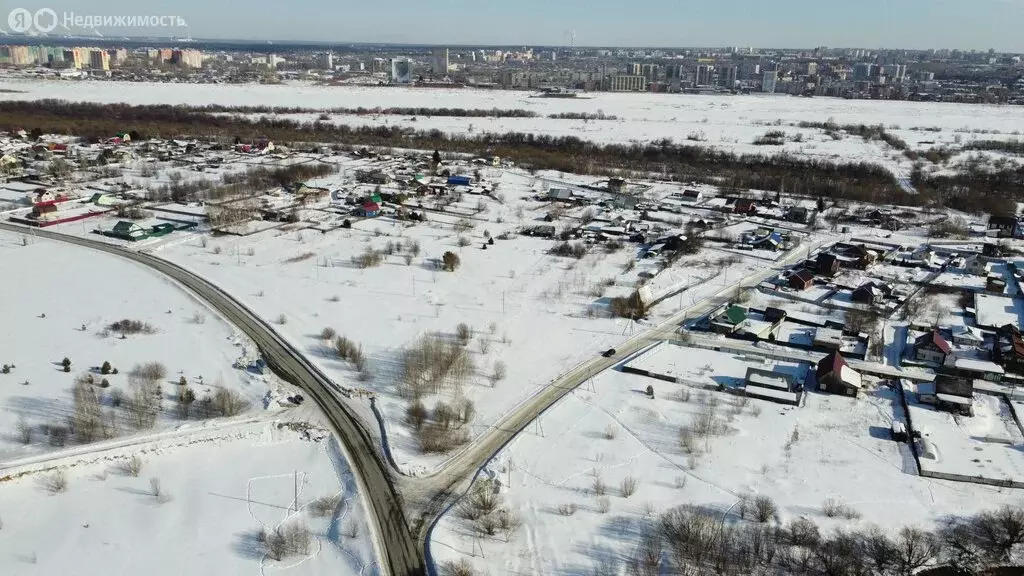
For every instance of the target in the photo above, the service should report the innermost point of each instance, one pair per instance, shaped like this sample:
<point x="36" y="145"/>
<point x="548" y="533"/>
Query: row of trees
<point x="571" y="154"/>
<point x="970" y="190"/>
<point x="693" y="541"/>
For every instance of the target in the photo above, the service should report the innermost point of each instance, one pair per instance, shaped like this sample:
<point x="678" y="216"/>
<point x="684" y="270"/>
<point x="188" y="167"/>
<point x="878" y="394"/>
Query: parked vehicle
<point x="609" y="353"/>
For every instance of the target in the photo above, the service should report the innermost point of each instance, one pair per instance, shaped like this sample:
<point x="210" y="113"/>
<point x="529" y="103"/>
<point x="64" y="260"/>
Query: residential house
<point x="774" y="315"/>
<point x="772" y="386"/>
<point x="770" y="242"/>
<point x="978" y="267"/>
<point x="835" y="376"/>
<point x="126" y="230"/>
<point x="1008" y="349"/>
<point x="1005" y="226"/>
<point x="931" y="347"/>
<point x="954" y="394"/>
<point x="991" y="250"/>
<point x="868" y="293"/>
<point x="995" y="285"/>
<point x="827" y="339"/>
<point x="798" y="214"/>
<point x="827" y="264"/>
<point x="744" y="206"/>
<point x="729" y="321"/>
<point x="692" y="194"/>
<point x="967" y="336"/>
<point x="802" y="279"/>
<point x="973" y="369"/>
<point x="370" y="209"/>
<point x="9" y="163"/>
<point x="858" y="256"/>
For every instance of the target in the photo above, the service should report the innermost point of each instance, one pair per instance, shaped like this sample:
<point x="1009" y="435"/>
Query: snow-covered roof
<point x="850" y="376"/>
<point x="954" y="399"/>
<point x="784" y="395"/>
<point x="978" y="365"/>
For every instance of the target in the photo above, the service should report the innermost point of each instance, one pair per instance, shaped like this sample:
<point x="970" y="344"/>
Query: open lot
<point x="726" y="122"/>
<point x="61" y="303"/>
<point x="832" y="448"/>
<point x="214" y="499"/>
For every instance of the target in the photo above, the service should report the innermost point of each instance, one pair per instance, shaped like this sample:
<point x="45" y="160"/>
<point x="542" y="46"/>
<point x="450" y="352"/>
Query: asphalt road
<point x="440" y="489"/>
<point x="404" y="551"/>
<point x="402" y="555"/>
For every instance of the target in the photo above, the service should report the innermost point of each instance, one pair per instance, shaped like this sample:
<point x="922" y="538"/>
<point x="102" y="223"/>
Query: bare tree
<point x="229" y="402"/>
<point x="460" y="567"/>
<point x="628" y="486"/>
<point x="133" y="466"/>
<point x="292" y="538"/>
<point x="764" y="508"/>
<point x="57" y="482"/>
<point x="509" y="522"/>
<point x="24" y="431"/>
<point x="598" y="485"/>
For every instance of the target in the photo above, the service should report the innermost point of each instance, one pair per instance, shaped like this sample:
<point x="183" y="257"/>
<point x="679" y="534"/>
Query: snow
<point x="217" y="495"/>
<point x="978" y="365"/>
<point x="842" y="451"/>
<point x="707" y="368"/>
<point x="510" y="294"/>
<point x="850" y="376"/>
<point x="996" y="311"/>
<point x="960" y="443"/>
<point x="727" y="122"/>
<point x="76" y="288"/>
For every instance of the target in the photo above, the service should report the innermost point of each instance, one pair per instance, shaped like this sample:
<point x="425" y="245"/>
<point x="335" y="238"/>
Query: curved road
<point x="401" y="553"/>
<point x="404" y="552"/>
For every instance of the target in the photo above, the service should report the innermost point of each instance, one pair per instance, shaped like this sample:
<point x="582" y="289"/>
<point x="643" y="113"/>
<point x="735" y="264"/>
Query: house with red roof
<point x="836" y="377"/>
<point x="1008" y="349"/>
<point x="371" y="209"/>
<point x="931" y="347"/>
<point x="802" y="279"/>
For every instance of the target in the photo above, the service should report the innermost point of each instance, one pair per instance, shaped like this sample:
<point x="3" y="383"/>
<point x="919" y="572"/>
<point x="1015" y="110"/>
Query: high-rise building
<point x="812" y="68"/>
<point x="895" y="72"/>
<point x="99" y="59"/>
<point x="75" y="57"/>
<point x="704" y="74"/>
<point x="626" y="83"/>
<point x="21" y="56"/>
<point x="863" y="70"/>
<point x="727" y="76"/>
<point x="117" y="56"/>
<point x="771" y="77"/>
<point x="401" y="70"/>
<point x="439" y="61"/>
<point x="187" y="58"/>
<point x="325" y="61"/>
<point x="650" y="71"/>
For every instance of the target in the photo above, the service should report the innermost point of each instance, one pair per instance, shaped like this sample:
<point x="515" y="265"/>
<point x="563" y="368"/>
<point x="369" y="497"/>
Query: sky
<point x="967" y="24"/>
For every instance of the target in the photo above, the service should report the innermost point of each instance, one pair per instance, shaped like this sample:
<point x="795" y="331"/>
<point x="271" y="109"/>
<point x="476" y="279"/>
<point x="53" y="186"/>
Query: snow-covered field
<point x="529" y="310"/>
<point x="731" y="122"/>
<point x="59" y="301"/>
<point x="215" y="497"/>
<point x="832" y="448"/>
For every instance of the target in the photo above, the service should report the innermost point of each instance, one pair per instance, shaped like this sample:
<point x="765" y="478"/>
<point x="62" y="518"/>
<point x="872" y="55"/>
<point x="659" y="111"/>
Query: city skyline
<point x="912" y="25"/>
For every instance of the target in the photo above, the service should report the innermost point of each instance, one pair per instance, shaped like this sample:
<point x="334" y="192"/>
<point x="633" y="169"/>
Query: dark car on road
<point x="608" y="353"/>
